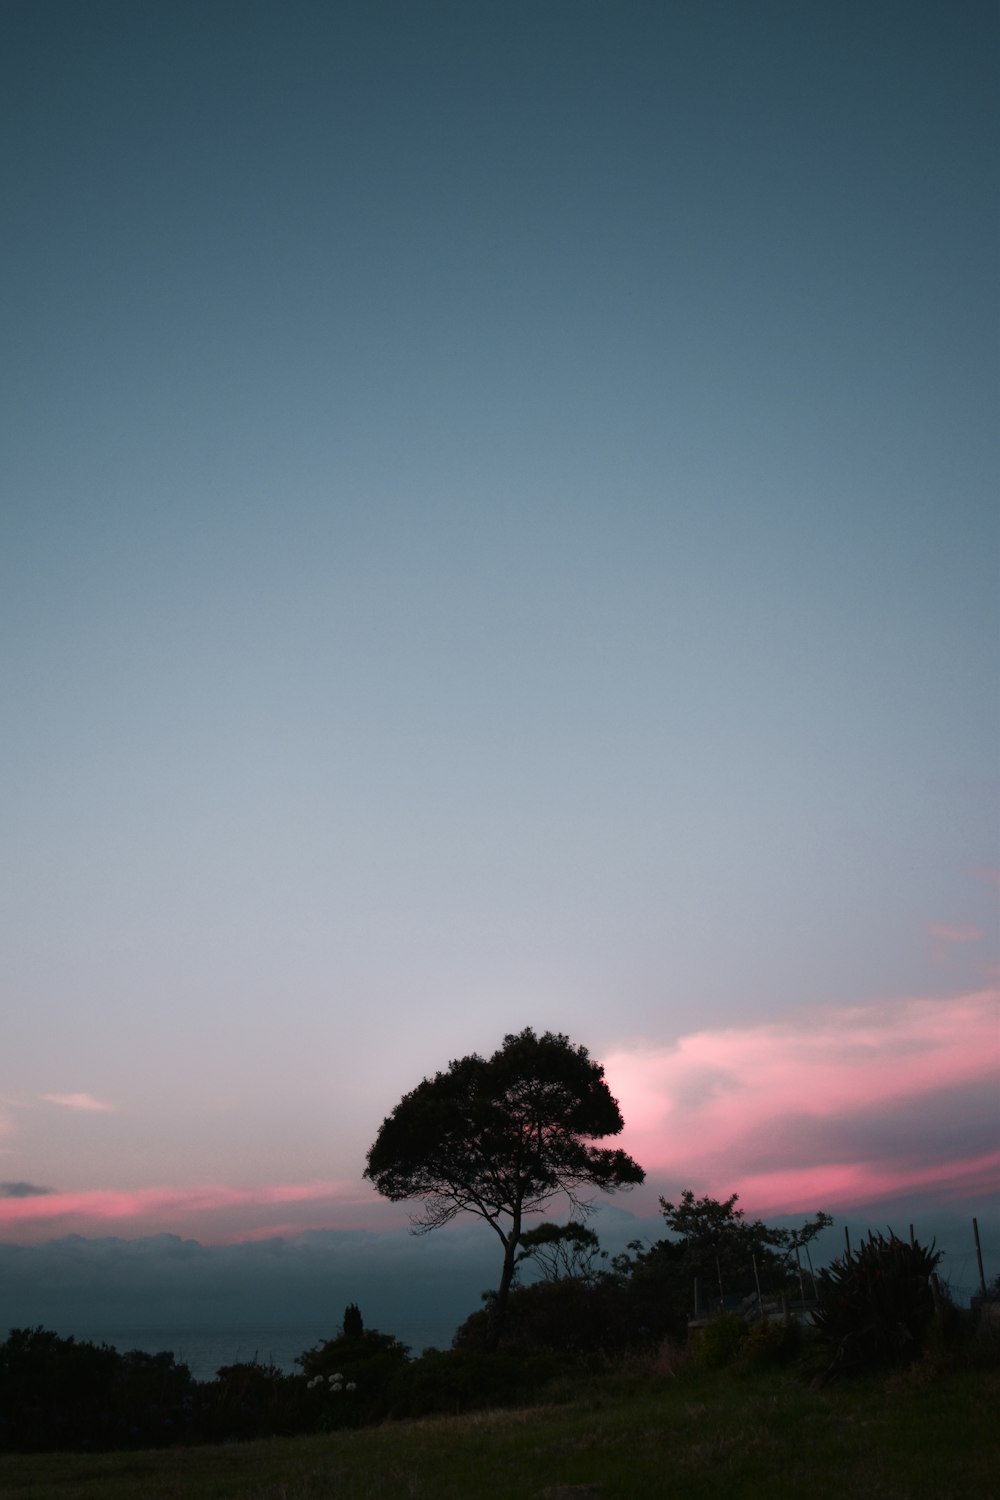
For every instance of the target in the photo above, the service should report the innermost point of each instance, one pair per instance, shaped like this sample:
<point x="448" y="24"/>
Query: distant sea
<point x="205" y="1351"/>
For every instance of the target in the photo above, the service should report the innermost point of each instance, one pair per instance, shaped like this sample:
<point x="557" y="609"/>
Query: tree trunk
<point x="498" y="1306"/>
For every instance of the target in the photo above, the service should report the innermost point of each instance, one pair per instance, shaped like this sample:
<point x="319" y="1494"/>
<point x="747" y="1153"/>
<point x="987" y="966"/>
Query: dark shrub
<point x="251" y="1400"/>
<point x="153" y="1400"/>
<point x="769" y="1343"/>
<point x="876" y="1305"/>
<point x="454" y="1381"/>
<point x="55" y="1392"/>
<point x="720" y="1340"/>
<point x="605" y="1316"/>
<point x="348" y="1378"/>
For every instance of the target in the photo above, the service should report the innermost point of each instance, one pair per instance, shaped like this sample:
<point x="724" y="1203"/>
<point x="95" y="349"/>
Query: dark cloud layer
<point x="23" y="1190"/>
<point x="278" y="1297"/>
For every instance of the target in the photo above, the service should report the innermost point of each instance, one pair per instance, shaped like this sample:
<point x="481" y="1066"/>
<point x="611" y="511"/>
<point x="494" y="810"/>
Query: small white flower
<point x="337" y="1387"/>
<point x="350" y="1386"/>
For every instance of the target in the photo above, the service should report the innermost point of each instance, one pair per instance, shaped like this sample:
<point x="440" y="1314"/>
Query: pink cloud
<point x="943" y="932"/>
<point x="839" y="1105"/>
<point x="946" y="937"/>
<point x="79" y="1101"/>
<point x="849" y="1183"/>
<point x="819" y="1110"/>
<point x="214" y="1211"/>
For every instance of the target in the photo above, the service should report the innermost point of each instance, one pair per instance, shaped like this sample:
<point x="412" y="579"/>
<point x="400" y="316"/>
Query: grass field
<point x="762" y="1438"/>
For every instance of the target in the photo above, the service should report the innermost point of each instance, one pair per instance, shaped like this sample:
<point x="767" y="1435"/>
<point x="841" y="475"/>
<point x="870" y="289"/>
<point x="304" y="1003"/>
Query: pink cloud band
<point x="149" y="1209"/>
<point x="819" y="1110"/>
<point x="823" y="1108"/>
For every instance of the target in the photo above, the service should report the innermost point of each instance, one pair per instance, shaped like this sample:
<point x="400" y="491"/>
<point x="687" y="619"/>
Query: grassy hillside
<point x="912" y="1437"/>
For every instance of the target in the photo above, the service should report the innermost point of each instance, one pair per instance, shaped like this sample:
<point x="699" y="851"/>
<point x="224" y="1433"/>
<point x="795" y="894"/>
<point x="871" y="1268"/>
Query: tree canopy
<point x="562" y="1252"/>
<point x="500" y="1137"/>
<point x="720" y="1245"/>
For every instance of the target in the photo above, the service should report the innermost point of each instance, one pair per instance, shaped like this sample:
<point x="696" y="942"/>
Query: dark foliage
<point x="566" y="1316"/>
<point x="451" y="1382"/>
<point x="604" y="1316"/>
<point x="63" y="1393"/>
<point x="876" y="1305"/>
<point x="250" y="1400"/>
<point x="348" y="1378"/>
<point x="648" y="1292"/>
<point x="562" y="1252"/>
<point x="499" y="1138"/>
<point x="154" y="1399"/>
<point x="353" y="1325"/>
<point x="731" y="1341"/>
<point x="656" y="1285"/>
<point x="729" y="1255"/>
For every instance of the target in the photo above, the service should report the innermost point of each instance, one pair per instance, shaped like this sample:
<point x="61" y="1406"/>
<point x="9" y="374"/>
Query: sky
<point x="498" y="528"/>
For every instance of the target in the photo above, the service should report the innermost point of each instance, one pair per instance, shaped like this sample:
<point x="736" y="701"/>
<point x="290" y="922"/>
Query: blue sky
<point x="499" y="528"/>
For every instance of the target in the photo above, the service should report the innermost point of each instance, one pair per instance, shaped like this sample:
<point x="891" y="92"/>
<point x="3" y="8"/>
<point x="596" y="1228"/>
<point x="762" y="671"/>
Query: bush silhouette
<point x="67" y="1393"/>
<point x="348" y="1378"/>
<point x="876" y="1304"/>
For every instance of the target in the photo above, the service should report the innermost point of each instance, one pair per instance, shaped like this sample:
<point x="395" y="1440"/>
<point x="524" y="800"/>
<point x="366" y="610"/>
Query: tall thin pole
<point x="979" y="1258"/>
<point x="756" y="1277"/>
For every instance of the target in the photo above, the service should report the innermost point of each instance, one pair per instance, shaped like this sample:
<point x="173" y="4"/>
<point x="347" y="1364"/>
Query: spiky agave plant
<point x="876" y="1304"/>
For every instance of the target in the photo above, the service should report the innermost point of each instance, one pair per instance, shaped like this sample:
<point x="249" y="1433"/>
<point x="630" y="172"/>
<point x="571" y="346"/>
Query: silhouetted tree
<point x="729" y="1252"/>
<point x="711" y="1241"/>
<point x="562" y="1252"/>
<point x="354" y="1325"/>
<point x="499" y="1138"/>
<point x="797" y="1240"/>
